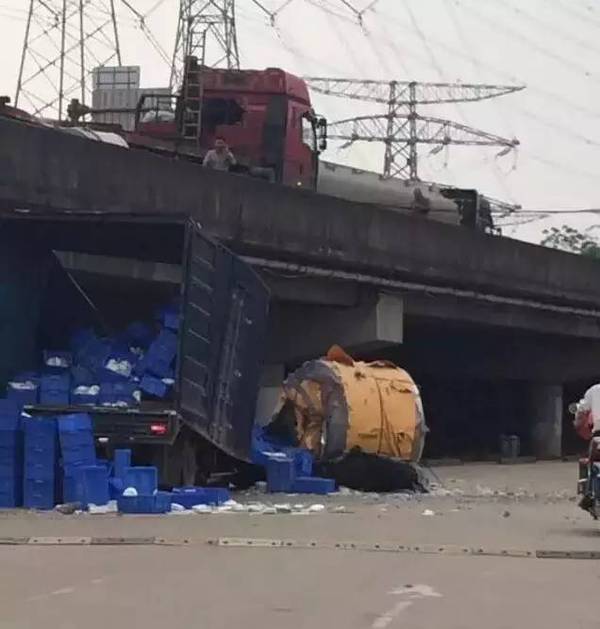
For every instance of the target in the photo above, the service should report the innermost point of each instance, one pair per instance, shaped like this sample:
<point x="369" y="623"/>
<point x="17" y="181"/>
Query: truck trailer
<point x="63" y="274"/>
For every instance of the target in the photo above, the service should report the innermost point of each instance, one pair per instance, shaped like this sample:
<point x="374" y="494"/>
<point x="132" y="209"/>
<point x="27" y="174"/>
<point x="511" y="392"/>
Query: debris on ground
<point x="428" y="512"/>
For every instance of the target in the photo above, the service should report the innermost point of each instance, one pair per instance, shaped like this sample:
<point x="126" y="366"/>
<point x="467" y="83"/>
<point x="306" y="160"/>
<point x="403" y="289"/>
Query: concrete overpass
<point x="474" y="317"/>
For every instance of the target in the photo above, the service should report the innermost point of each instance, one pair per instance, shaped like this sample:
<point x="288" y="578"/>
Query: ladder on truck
<point x="193" y="94"/>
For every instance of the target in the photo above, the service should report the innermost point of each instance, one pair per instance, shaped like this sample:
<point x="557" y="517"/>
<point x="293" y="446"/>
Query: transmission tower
<point x="401" y="128"/>
<point x="64" y="40"/>
<point x="206" y="30"/>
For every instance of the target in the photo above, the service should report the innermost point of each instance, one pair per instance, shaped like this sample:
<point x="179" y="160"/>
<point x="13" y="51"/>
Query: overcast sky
<point x="551" y="46"/>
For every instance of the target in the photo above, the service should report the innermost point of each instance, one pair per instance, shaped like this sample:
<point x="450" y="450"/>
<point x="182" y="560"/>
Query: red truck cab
<point x="265" y="116"/>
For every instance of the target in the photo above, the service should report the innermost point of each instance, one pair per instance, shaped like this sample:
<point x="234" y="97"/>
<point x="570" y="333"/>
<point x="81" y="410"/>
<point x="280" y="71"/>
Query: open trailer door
<point x="225" y="309"/>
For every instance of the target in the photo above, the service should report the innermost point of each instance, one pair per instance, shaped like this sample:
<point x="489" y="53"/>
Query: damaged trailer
<point x="61" y="273"/>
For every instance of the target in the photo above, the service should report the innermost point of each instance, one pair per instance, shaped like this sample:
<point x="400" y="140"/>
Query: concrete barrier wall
<point x="50" y="170"/>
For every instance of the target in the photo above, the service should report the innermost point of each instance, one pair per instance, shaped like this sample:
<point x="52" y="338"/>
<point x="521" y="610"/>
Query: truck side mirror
<point x="322" y="125"/>
<point x="573" y="408"/>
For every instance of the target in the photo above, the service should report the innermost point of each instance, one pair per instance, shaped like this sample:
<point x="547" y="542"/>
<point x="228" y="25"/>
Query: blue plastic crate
<point x="122" y="461"/>
<point x="156" y="503"/>
<point x="303" y="461"/>
<point x="22" y="396"/>
<point x="39" y="494"/>
<point x="75" y="422"/>
<point x="11" y="492"/>
<point x="164" y="346"/>
<point x="138" y="334"/>
<point x="124" y="393"/>
<point x="313" y="485"/>
<point x="93" y="356"/>
<point x="56" y="382"/>
<point x="93" y="480"/>
<point x="115" y="488"/>
<point x="77" y="455"/>
<point x="54" y="398"/>
<point x="57" y="360"/>
<point x="10" y="415"/>
<point x="82" y="376"/>
<point x="280" y="474"/>
<point x="107" y="394"/>
<point x="11" y="468"/>
<point x="170" y="319"/>
<point x="81" y="396"/>
<point x="144" y="479"/>
<point x="153" y="386"/>
<point x="10" y="439"/>
<point x="39" y="470"/>
<point x="40" y="431"/>
<point x="190" y="496"/>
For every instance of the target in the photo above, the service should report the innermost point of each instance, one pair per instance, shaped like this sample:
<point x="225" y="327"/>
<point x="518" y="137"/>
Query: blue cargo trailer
<point x="61" y="272"/>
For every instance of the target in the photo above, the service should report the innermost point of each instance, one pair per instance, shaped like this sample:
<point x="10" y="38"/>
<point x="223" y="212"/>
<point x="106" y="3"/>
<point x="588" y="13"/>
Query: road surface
<point x="202" y="585"/>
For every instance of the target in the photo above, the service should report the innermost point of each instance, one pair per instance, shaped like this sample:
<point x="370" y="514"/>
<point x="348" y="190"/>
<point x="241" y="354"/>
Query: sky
<point x="550" y="46"/>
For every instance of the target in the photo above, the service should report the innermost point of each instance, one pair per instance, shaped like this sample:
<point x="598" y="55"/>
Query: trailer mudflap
<point x="225" y="309"/>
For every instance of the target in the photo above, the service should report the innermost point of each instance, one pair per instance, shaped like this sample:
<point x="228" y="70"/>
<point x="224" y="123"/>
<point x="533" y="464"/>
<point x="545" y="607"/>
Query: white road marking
<point x="410" y="592"/>
<point x="42" y="597"/>
<point x="67" y="590"/>
<point x="381" y="622"/>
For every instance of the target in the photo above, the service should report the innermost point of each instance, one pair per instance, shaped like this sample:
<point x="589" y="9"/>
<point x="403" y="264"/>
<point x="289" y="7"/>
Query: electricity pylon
<point x="402" y="128"/>
<point x="64" y="40"/>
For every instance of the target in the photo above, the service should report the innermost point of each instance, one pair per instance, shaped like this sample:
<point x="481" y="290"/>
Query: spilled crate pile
<point x="120" y="371"/>
<point x="47" y="461"/>
<point x="288" y="469"/>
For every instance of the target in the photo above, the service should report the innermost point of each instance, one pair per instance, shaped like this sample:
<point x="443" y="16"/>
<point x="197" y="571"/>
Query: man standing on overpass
<point x="219" y="157"/>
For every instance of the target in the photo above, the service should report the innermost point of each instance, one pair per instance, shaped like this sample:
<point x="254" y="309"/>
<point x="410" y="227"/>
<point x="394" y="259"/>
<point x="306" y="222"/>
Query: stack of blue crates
<point x="55" y="389"/>
<point x="77" y="447"/>
<point x="11" y="455"/>
<point x="40" y="463"/>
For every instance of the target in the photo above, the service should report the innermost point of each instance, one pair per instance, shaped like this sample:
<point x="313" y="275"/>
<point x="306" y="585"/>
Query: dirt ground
<point x="496" y="509"/>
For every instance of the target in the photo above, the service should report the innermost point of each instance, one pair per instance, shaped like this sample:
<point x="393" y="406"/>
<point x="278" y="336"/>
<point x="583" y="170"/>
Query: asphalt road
<point x="200" y="585"/>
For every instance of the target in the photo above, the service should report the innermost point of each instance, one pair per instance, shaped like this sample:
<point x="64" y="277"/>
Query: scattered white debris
<point x="120" y="367"/>
<point x="283" y="508"/>
<point x="428" y="512"/>
<point x="345" y="491"/>
<point x="269" y="511"/>
<point x="299" y="507"/>
<point x="339" y="509"/>
<point x="316" y="508"/>
<point x="130" y="492"/>
<point x="175" y="506"/>
<point x="109" y="507"/>
<point x="202" y="509"/>
<point x="256" y="507"/>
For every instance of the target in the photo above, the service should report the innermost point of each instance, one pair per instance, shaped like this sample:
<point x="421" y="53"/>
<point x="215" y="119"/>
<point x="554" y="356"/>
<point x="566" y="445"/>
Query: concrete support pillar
<point x="300" y="332"/>
<point x="546" y="425"/>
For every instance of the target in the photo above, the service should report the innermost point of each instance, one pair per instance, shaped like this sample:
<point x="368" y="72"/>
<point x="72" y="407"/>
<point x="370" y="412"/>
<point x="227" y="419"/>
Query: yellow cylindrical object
<point x="383" y="409"/>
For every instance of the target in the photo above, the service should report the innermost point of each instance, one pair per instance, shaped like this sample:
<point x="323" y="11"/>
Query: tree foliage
<point x="570" y="239"/>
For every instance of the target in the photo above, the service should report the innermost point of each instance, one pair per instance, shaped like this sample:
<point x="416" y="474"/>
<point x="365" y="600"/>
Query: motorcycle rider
<point x="587" y="426"/>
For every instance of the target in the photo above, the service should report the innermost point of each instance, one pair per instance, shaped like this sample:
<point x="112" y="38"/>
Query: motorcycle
<point x="588" y="483"/>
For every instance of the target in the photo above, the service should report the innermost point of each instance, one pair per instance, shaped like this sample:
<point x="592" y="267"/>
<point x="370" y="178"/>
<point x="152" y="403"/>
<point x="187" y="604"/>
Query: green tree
<point x="568" y="238"/>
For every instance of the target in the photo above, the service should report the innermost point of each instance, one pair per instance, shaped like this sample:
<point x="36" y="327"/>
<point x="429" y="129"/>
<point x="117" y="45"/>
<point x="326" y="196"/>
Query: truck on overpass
<point x="267" y="118"/>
